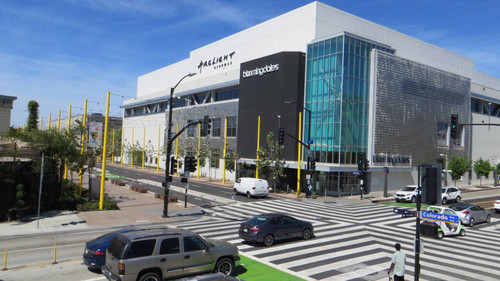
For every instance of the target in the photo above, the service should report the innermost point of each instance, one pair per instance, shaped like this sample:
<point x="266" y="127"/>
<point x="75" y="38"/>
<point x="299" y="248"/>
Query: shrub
<point x="94" y="206"/>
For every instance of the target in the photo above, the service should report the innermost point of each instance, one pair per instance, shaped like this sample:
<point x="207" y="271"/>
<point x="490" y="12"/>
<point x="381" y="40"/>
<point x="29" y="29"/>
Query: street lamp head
<point x="288" y="101"/>
<point x="191" y="74"/>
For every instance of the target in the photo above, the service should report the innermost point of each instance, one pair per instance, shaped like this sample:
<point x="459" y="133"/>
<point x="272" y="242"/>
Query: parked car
<point x="94" y="255"/>
<point x="251" y="187"/>
<point x="407" y="193"/>
<point x="471" y="214"/>
<point x="496" y="205"/>
<point x="450" y="193"/>
<point x="433" y="227"/>
<point x="271" y="227"/>
<point x="157" y="254"/>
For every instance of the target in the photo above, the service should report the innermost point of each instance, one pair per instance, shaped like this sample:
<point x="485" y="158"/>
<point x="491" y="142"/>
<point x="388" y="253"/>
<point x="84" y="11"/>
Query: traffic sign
<point x="386" y="170"/>
<point x="310" y="141"/>
<point x="431" y="216"/>
<point x="358" y="173"/>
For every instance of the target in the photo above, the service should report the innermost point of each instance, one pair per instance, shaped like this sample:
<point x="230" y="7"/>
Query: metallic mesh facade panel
<point x="411" y="101"/>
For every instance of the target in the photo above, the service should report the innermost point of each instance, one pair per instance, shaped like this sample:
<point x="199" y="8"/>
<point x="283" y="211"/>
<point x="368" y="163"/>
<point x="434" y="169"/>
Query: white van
<point x="251" y="187"/>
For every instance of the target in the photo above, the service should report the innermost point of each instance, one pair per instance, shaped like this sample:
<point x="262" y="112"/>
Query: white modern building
<point x="360" y="88"/>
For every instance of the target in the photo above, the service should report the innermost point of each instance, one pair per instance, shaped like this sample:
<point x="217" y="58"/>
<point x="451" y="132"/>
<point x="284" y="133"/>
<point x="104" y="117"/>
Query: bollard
<point x="5" y="257"/>
<point x="55" y="250"/>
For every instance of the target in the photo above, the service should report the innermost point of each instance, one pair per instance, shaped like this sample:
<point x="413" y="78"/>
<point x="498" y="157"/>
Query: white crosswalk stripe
<point x="355" y="242"/>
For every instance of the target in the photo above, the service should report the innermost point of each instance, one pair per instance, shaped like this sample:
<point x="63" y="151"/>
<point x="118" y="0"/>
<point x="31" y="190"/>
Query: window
<point x="231" y="126"/>
<point x="193" y="243"/>
<point x="190" y="130"/>
<point x="216" y="127"/>
<point x="442" y="134"/>
<point x="214" y="158"/>
<point x="142" y="248"/>
<point x="169" y="246"/>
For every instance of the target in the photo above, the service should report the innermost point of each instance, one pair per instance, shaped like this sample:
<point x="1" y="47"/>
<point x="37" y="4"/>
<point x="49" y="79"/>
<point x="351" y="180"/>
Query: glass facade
<point x="337" y="95"/>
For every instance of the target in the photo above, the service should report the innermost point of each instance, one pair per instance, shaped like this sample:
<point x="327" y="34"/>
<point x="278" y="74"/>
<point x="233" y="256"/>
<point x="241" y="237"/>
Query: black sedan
<point x="268" y="228"/>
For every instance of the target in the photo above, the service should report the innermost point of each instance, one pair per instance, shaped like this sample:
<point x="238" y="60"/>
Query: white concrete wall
<point x="4" y="119"/>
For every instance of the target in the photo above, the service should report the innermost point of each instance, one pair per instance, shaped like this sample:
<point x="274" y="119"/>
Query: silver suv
<point x="157" y="254"/>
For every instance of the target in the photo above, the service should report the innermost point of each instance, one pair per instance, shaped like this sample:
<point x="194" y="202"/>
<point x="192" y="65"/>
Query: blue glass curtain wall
<point x="337" y="94"/>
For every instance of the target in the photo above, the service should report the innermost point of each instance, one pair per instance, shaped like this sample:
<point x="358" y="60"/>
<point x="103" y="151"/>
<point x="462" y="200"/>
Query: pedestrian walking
<point x="398" y="262"/>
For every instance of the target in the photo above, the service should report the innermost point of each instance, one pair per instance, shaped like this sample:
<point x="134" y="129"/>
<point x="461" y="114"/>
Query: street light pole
<point x="445" y="168"/>
<point x="168" y="137"/>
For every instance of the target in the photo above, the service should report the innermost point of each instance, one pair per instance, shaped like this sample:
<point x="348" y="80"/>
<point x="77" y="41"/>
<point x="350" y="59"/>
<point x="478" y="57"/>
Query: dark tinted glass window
<point x="117" y="246"/>
<point x="170" y="246"/>
<point x="257" y="220"/>
<point x="275" y="221"/>
<point x="289" y="220"/>
<point x="141" y="249"/>
<point x="193" y="243"/>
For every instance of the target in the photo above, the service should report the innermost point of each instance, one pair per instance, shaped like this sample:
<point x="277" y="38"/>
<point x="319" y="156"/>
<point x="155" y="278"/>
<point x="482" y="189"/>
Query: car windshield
<point x="408" y="188"/>
<point x="458" y="207"/>
<point x="258" y="220"/>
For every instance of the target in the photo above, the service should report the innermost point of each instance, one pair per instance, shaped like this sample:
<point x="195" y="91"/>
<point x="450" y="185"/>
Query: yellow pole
<point x="224" y="154"/>
<point x="59" y="120"/>
<point x="67" y="136"/>
<point x="121" y="153"/>
<point x="80" y="177"/>
<point x="104" y="148"/>
<point x="258" y="148"/>
<point x="177" y="147"/>
<point x="41" y="123"/>
<point x="299" y="154"/>
<point x="55" y="250"/>
<point x="132" y="155"/>
<point x="198" y="156"/>
<point x="143" y="147"/>
<point x="49" y="120"/>
<point x="5" y="257"/>
<point x="158" y="154"/>
<point x="113" y="152"/>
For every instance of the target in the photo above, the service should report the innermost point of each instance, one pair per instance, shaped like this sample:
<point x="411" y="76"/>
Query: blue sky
<point x="59" y="52"/>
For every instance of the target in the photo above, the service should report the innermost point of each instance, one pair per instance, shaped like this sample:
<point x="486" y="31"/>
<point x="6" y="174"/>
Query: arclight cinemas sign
<point x="261" y="70"/>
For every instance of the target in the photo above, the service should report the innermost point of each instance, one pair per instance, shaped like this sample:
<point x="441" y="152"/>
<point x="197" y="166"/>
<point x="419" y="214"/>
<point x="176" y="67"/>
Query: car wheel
<point x="225" y="266"/>
<point x="462" y="232"/>
<point x="269" y="240"/>
<point x="458" y="199"/>
<point x="488" y="218"/>
<point x="150" y="276"/>
<point x="439" y="235"/>
<point x="249" y="195"/>
<point x="306" y="234"/>
<point x="413" y="199"/>
<point x="445" y="201"/>
<point x="472" y="222"/>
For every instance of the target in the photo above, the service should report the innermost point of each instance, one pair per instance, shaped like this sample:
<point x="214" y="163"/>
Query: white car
<point x="450" y="193"/>
<point x="407" y="193"/>
<point x="251" y="187"/>
<point x="496" y="205"/>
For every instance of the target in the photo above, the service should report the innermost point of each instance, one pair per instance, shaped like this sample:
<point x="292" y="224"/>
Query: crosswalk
<point x="355" y="242"/>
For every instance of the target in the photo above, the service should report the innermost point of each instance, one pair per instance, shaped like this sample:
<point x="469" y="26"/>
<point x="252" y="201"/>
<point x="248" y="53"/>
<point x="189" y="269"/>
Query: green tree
<point x="458" y="166"/>
<point x="482" y="168"/>
<point x="269" y="165"/>
<point x="33" y="115"/>
<point x="231" y="157"/>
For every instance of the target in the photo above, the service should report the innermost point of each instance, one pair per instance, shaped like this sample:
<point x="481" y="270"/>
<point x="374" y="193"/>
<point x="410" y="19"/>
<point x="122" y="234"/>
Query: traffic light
<point x="281" y="137"/>
<point x="173" y="165"/>
<point x="313" y="164"/>
<point x="207" y="126"/>
<point x="454" y="127"/>
<point x="189" y="164"/>
<point x="366" y="164"/>
<point x="361" y="161"/>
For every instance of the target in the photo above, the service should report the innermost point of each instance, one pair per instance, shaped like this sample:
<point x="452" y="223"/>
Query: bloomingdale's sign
<point x="261" y="70"/>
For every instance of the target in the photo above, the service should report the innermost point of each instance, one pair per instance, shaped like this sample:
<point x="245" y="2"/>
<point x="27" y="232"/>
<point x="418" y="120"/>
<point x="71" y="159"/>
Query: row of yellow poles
<point x="7" y="248"/>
